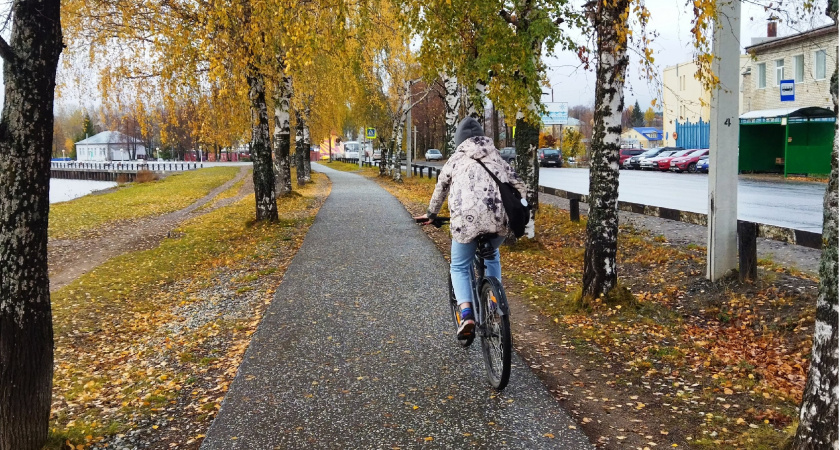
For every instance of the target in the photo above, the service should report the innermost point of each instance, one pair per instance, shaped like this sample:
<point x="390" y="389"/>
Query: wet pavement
<point x="786" y="204"/>
<point x="357" y="350"/>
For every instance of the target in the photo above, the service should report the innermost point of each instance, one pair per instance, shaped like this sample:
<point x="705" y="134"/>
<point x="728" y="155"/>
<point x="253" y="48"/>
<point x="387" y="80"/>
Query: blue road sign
<point x="787" y="90"/>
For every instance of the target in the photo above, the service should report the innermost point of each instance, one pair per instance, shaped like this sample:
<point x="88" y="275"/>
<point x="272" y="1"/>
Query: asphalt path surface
<point x="787" y="204"/>
<point x="357" y="351"/>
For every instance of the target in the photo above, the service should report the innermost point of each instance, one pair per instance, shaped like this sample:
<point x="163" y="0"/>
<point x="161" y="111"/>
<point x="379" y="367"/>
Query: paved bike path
<point x="356" y="350"/>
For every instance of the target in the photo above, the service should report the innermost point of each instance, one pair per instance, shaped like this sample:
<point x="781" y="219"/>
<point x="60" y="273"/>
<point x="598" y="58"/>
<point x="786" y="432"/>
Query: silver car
<point x="433" y="154"/>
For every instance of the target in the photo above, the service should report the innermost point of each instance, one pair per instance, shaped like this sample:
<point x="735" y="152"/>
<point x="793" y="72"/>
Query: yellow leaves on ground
<point x="87" y="214"/>
<point x="137" y="338"/>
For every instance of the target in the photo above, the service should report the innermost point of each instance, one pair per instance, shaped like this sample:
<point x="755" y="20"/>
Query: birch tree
<point x="283" y="134"/>
<point x="818" y="414"/>
<point x="495" y="48"/>
<point x="30" y="59"/>
<point x="452" y="103"/>
<point x="610" y="22"/>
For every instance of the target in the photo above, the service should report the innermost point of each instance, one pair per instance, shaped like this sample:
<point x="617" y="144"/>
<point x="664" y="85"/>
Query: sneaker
<point x="467" y="324"/>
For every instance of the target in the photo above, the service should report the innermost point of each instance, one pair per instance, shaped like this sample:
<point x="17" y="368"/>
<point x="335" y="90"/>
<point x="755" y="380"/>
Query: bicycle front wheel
<point x="496" y="343"/>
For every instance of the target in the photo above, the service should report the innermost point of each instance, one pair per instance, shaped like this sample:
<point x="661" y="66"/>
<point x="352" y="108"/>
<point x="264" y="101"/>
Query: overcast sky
<point x="672" y="20"/>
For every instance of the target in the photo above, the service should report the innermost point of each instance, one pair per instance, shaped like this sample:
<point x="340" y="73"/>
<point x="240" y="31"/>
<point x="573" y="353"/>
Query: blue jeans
<point x="461" y="267"/>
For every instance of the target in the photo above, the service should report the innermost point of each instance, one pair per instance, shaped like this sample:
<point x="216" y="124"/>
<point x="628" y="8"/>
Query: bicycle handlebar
<point x="437" y="221"/>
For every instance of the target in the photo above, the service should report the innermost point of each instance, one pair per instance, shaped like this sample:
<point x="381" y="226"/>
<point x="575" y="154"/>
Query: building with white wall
<point x="110" y="146"/>
<point x="807" y="58"/>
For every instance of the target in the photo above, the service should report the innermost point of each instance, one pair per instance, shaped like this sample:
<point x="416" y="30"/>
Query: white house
<point x="110" y="146"/>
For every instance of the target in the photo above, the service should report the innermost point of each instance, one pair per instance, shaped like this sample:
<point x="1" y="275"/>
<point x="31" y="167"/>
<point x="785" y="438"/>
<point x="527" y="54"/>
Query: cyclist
<point x="475" y="208"/>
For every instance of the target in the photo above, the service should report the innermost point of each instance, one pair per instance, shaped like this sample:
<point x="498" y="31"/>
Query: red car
<point x="689" y="161"/>
<point x="627" y="153"/>
<point x="664" y="163"/>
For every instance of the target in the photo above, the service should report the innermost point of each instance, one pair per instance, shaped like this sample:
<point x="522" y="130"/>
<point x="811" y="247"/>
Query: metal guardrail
<point x="127" y="166"/>
<point x="114" y="171"/>
<point x="790" y="235"/>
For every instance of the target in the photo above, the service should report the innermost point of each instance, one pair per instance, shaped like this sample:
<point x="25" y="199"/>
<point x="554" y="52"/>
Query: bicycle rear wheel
<point x="496" y="342"/>
<point x="455" y="314"/>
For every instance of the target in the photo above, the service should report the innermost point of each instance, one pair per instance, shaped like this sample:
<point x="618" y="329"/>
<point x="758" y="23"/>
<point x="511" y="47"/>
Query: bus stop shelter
<point x="786" y="140"/>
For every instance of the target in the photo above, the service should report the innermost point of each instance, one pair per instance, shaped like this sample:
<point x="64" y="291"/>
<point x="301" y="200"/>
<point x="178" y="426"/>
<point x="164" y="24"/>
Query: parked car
<point x="689" y="161"/>
<point x="377" y="154"/>
<point x="652" y="163"/>
<point x="663" y="163"/>
<point x="626" y="153"/>
<point x="635" y="162"/>
<point x="572" y="160"/>
<point x="433" y="154"/>
<point x="703" y="165"/>
<point x="549" y="157"/>
<point x="508" y="154"/>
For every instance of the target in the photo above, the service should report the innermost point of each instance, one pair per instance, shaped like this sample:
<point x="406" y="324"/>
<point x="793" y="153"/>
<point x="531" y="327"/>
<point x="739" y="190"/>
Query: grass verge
<point x="147" y="343"/>
<point x="89" y="213"/>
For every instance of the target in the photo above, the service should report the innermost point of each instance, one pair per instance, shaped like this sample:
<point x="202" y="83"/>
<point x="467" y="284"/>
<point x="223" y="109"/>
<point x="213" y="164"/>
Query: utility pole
<point x="408" y="147"/>
<point x="723" y="143"/>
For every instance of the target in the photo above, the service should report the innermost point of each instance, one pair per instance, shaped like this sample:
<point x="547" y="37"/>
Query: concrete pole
<point x="721" y="257"/>
<point x="408" y="148"/>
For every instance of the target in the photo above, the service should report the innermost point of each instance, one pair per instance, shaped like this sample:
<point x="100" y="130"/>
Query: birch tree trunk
<point x="282" y="137"/>
<point x="307" y="149"/>
<point x="26" y="135"/>
<point x="599" y="269"/>
<point x="265" y="192"/>
<point x="399" y="125"/>
<point x="299" y="148"/>
<point x="818" y="414"/>
<point x="452" y="103"/>
<point x="475" y="109"/>
<point x="527" y="166"/>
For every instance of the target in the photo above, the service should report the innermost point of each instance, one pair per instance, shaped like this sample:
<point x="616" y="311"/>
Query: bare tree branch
<point x="6" y="51"/>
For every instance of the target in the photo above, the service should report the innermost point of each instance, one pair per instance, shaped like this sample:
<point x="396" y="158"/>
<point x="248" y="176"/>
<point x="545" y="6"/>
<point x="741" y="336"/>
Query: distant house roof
<point x="650" y="133"/>
<point x="110" y="137"/>
<point x="572" y="122"/>
<point x="785" y="40"/>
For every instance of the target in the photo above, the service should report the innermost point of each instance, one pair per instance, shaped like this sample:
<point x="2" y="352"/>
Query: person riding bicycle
<point x="475" y="208"/>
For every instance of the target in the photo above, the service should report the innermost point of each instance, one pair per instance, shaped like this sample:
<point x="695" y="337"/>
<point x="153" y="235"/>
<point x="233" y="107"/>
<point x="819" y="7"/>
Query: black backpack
<point x="517" y="209"/>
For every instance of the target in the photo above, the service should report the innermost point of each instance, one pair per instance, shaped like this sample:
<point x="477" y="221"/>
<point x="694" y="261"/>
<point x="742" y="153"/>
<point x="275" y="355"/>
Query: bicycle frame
<point x="477" y="282"/>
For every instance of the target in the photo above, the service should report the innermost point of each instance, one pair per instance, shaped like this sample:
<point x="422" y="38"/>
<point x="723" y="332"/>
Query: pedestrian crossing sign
<point x="370" y="133"/>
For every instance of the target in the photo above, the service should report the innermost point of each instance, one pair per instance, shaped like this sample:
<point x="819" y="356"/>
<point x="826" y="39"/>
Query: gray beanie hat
<point x="468" y="128"/>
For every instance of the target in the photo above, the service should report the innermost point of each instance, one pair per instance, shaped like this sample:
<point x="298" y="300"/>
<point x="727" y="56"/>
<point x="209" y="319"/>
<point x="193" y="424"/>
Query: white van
<point x="351" y="149"/>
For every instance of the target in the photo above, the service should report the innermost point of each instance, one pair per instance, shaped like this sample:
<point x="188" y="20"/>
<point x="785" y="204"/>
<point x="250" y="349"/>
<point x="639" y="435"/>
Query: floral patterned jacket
<point x="475" y="205"/>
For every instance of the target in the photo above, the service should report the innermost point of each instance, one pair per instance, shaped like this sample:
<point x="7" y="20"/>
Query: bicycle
<point x="492" y="314"/>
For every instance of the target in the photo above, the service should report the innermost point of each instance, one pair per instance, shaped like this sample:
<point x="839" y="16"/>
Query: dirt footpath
<point x="71" y="258"/>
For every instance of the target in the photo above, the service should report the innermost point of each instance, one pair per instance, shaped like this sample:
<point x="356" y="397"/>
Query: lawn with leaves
<point x="342" y="166"/>
<point x="134" y="200"/>
<point x="147" y="343"/>
<point x="685" y="362"/>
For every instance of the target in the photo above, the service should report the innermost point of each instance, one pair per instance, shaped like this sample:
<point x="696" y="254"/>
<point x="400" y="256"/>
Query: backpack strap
<point x="496" y="179"/>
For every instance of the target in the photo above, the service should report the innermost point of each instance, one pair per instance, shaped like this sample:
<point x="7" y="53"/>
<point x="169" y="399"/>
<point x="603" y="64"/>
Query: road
<point x="788" y="204"/>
